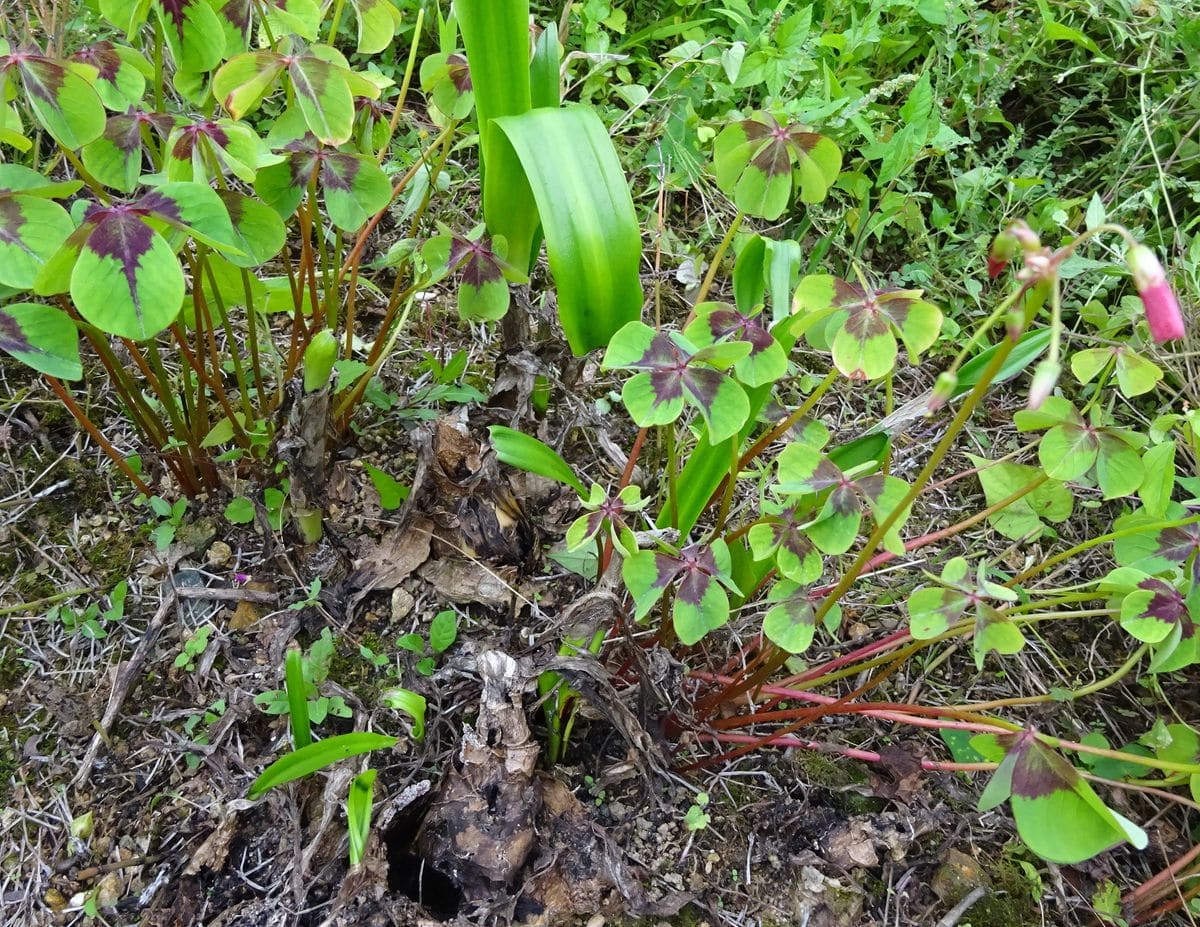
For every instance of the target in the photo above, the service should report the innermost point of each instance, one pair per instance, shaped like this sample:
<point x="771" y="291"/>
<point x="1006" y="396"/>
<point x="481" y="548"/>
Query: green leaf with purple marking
<point x="378" y="21"/>
<point x="120" y="73"/>
<point x="353" y="185"/>
<point x="208" y="148"/>
<point x="284" y="17"/>
<point x="62" y="98"/>
<point x="193" y="32"/>
<point x="324" y="97"/>
<point x="702" y="573"/>
<point x="672" y="372"/>
<point x="117" y="157"/>
<point x="1058" y="814"/>
<point x="717" y="322"/>
<point x="126" y="280"/>
<point x="245" y="80"/>
<point x="864" y="346"/>
<point x="1072" y="446"/>
<point x="784" y="536"/>
<point x="790" y="623"/>
<point x="754" y="161"/>
<point x="194" y="208"/>
<point x="603" y="513"/>
<point x="1151" y="610"/>
<point x="32" y="229"/>
<point x="804" y="469"/>
<point x="483" y="273"/>
<point x="355" y="188"/>
<point x="258" y="231"/>
<point x="42" y="337"/>
<point x="446" y="79"/>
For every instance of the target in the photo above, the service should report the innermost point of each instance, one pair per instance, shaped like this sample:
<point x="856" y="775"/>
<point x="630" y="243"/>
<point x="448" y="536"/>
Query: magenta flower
<point x="1162" y="308"/>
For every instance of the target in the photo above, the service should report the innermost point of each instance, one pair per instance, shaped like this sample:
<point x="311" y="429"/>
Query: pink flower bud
<point x="1045" y="378"/>
<point x="1025" y="236"/>
<point x="943" y="390"/>
<point x="1162" y="308"/>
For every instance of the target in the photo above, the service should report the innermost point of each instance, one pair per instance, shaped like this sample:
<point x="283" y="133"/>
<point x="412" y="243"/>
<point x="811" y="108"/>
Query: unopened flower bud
<point x="319" y="357"/>
<point x="1045" y="378"/>
<point x="1004" y="248"/>
<point x="1025" y="236"/>
<point x="943" y="390"/>
<point x="1162" y="308"/>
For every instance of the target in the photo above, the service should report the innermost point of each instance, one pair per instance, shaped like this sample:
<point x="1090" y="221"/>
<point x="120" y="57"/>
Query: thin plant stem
<point x="398" y="106"/>
<point x="252" y="342"/>
<point x="81" y="417"/>
<point x="239" y="372"/>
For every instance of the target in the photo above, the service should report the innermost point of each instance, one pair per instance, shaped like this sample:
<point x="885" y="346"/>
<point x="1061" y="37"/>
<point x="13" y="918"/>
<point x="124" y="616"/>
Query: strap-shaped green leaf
<point x="316" y="756"/>
<point x="528" y="453"/>
<point x="569" y="166"/>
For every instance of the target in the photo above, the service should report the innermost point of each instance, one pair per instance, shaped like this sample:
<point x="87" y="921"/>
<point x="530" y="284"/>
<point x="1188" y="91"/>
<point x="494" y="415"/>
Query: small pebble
<point x="219" y="554"/>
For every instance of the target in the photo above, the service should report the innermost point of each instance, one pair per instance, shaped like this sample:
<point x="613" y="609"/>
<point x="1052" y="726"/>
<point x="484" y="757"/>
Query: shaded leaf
<point x="42" y="337"/>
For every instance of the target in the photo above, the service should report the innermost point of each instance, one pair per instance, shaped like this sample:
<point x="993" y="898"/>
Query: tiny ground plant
<point x="773" y="519"/>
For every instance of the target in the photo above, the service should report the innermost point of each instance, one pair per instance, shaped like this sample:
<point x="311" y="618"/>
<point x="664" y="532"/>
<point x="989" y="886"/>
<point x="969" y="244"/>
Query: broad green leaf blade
<point x="317" y="756"/>
<point x="127" y="280"/>
<point x="193" y="207"/>
<point x="244" y="80"/>
<point x="496" y="36"/>
<point x="1067" y="452"/>
<point x="120" y="73"/>
<point x="544" y="79"/>
<point x="358" y="814"/>
<point x="32" y="229"/>
<point x="42" y="337"/>
<point x="297" y="696"/>
<point x="115" y="158"/>
<point x="592" y="237"/>
<point x="528" y="453"/>
<point x="1159" y="483"/>
<point x="790" y="623"/>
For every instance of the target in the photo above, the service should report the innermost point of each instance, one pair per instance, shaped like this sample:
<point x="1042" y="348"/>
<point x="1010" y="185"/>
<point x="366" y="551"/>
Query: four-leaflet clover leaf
<point x="701" y="601"/>
<point x="483" y="272"/>
<point x="672" y="372"/>
<point x="717" y="322"/>
<point x="933" y="609"/>
<point x="804" y="469"/>
<point x="791" y="622"/>
<point x="602" y="511"/>
<point x="1072" y="446"/>
<point x="784" y="535"/>
<point x="864" y="323"/>
<point x="1154" y="611"/>
<point x="753" y="161"/>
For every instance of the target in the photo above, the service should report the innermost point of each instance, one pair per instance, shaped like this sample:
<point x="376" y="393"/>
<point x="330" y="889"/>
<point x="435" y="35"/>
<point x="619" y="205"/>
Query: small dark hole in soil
<point x="492" y="794"/>
<point x="435" y="891"/>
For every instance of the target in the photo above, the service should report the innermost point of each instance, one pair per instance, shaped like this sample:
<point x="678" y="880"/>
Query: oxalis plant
<point x="186" y="210"/>
<point x="760" y="514"/>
